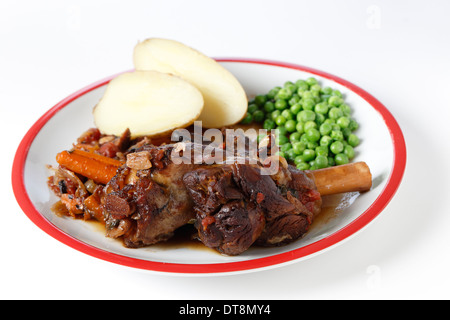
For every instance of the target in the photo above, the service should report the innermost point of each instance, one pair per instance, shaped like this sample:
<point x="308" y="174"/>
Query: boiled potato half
<point x="225" y="99"/>
<point x="149" y="103"/>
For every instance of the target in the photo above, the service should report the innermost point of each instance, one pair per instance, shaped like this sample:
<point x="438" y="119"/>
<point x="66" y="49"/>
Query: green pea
<point x="247" y="119"/>
<point x="284" y="93"/>
<point x="335" y="113"/>
<point x="308" y="104"/>
<point x="298" y="159"/>
<point x="306" y="115"/>
<point x="280" y="120"/>
<point x="337" y="135"/>
<point x="290" y="154"/>
<point x="324" y="98"/>
<point x="296" y="108"/>
<point x="295" y="137"/>
<point x="312" y="145"/>
<point x="290" y="125"/>
<point x="280" y="140"/>
<point x="309" y="125"/>
<point x="336" y="93"/>
<point x="309" y="154"/>
<point x="274" y="115"/>
<point x="252" y="108"/>
<point x="285" y="147"/>
<point x="353" y="140"/>
<point x="312" y="134"/>
<point x="337" y="147"/>
<point x="353" y="125"/>
<point x="322" y="150"/>
<point x="307" y="95"/>
<point x="326" y="140"/>
<point x="327" y="90"/>
<point x="335" y="101"/>
<point x="349" y="152"/>
<point x="295" y="99"/>
<point x="303" y="166"/>
<point x="288" y="83"/>
<point x="316" y="96"/>
<point x="320" y="118"/>
<point x="343" y="122"/>
<point x="260" y="100"/>
<point x="300" y="127"/>
<point x="311" y="81"/>
<point x="325" y="128"/>
<point x="269" y="106"/>
<point x="258" y="116"/>
<point x="335" y="127"/>
<point x="341" y="158"/>
<point x="321" y="108"/>
<point x="345" y="109"/>
<point x="346" y="132"/>
<point x="287" y="114"/>
<point x="302" y="86"/>
<point x="282" y="131"/>
<point x="331" y="162"/>
<point x="269" y="124"/>
<point x="321" y="161"/>
<point x="315" y="87"/>
<point x="290" y="86"/>
<point x="299" y="147"/>
<point x="303" y="138"/>
<point x="272" y="93"/>
<point x="280" y="104"/>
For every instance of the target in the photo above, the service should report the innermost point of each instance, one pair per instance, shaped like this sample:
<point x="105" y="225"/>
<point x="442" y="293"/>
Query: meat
<point x="236" y="206"/>
<point x="225" y="219"/>
<point x="146" y="206"/>
<point x="233" y="205"/>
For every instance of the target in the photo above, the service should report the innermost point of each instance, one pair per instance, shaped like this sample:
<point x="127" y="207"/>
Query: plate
<point x="382" y="148"/>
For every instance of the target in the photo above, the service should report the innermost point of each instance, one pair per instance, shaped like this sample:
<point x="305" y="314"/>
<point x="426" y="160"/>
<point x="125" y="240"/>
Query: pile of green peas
<point x="314" y="124"/>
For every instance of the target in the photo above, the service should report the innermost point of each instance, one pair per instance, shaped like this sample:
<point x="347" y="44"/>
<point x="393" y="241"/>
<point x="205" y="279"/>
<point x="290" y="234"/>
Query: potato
<point x="225" y="99"/>
<point x="149" y="103"/>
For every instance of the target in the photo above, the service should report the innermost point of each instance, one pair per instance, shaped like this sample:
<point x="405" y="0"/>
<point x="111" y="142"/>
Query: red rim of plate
<point x="374" y="210"/>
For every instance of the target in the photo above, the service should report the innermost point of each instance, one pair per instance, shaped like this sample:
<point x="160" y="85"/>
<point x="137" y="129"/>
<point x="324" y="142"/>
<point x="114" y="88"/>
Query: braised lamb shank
<point x="236" y="206"/>
<point x="232" y="205"/>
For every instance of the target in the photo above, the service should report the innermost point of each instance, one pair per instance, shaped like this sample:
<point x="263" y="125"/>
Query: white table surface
<point x="399" y="51"/>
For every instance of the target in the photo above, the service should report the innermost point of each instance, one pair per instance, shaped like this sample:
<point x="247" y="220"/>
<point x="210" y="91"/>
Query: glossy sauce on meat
<point x="152" y="200"/>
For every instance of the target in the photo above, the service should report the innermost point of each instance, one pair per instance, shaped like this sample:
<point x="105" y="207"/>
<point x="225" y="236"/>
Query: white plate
<point x="382" y="148"/>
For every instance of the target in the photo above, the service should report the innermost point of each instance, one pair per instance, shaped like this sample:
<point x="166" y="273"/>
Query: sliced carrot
<point x="98" y="157"/>
<point x="90" y="165"/>
<point x="92" y="206"/>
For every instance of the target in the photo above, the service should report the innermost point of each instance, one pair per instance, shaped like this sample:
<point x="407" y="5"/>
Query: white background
<point x="399" y="51"/>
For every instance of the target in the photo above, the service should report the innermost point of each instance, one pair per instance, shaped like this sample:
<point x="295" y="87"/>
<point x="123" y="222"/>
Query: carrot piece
<point x="92" y="206"/>
<point x="98" y="157"/>
<point x="96" y="167"/>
